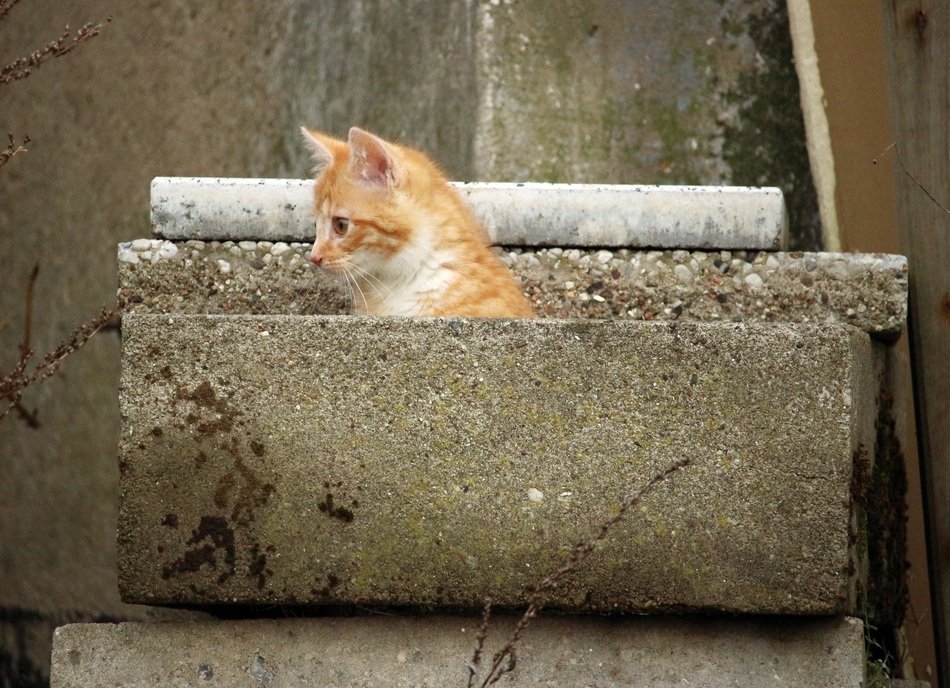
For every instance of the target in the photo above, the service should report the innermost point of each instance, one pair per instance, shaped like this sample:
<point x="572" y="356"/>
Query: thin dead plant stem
<point x="13" y="148"/>
<point x="15" y="382"/>
<point x="505" y="660"/>
<point x="909" y="175"/>
<point x="6" y="6"/>
<point x="68" y="41"/>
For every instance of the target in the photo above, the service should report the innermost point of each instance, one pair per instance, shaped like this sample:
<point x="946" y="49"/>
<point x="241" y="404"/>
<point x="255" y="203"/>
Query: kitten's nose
<point x="316" y="260"/>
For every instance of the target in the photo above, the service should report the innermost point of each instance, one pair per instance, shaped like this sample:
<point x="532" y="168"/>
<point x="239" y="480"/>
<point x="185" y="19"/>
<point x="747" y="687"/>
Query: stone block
<point x="866" y="290"/>
<point x="395" y="652"/>
<point x="325" y="460"/>
<point x="529" y="214"/>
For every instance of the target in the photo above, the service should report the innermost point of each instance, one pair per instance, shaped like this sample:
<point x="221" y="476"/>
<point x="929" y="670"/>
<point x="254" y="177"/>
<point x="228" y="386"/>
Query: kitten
<point x="390" y="224"/>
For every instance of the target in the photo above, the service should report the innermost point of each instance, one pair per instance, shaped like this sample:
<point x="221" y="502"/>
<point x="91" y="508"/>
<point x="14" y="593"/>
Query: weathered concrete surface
<point x="220" y="87"/>
<point x="282" y="459"/>
<point x="433" y="651"/>
<point x="515" y="214"/>
<point x="868" y="291"/>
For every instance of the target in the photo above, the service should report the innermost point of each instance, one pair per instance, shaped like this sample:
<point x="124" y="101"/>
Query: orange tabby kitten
<point x="390" y="224"/>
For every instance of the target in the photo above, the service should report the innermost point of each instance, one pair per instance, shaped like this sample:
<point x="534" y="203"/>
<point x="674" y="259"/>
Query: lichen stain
<point x="212" y="537"/>
<point x="204" y="397"/>
<point x="324" y="592"/>
<point x="258" y="567"/>
<point x="338" y="512"/>
<point x="251" y="494"/>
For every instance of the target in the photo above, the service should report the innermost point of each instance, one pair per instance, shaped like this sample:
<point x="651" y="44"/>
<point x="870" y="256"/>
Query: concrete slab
<point x="529" y="214"/>
<point x="321" y="460"/>
<point x="434" y="651"/>
<point x="866" y="290"/>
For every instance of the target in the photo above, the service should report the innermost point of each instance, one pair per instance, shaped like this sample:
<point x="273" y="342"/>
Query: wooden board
<point x="918" y="35"/>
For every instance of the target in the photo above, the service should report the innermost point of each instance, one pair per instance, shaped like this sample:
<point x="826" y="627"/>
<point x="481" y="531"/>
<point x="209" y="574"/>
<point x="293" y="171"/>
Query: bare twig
<point x="900" y="161"/>
<point x="28" y="311"/>
<point x="67" y="42"/>
<point x="505" y="659"/>
<point x="6" y="6"/>
<point x="479" y="643"/>
<point x="17" y="380"/>
<point x="13" y="148"/>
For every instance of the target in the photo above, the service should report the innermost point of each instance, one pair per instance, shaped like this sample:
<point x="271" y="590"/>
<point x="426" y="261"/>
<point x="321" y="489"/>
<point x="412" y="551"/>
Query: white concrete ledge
<point x="406" y="652"/>
<point x="530" y="214"/>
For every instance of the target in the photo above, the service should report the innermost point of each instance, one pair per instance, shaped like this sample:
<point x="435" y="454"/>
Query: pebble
<point x="248" y="245"/>
<point x="573" y="255"/>
<point x="569" y="285"/>
<point x="141" y="244"/>
<point x="603" y="257"/>
<point x="279" y="248"/>
<point x="753" y="280"/>
<point x="535" y="495"/>
<point x="167" y="250"/>
<point x="556" y="251"/>
<point x="127" y="255"/>
<point x="837" y="269"/>
<point x="145" y="255"/>
<point x="224" y="266"/>
<point x="683" y="274"/>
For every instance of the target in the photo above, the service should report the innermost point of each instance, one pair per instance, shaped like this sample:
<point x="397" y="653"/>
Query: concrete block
<point x="529" y="214"/>
<point x="322" y="460"/>
<point x="866" y="290"/>
<point x="433" y="651"/>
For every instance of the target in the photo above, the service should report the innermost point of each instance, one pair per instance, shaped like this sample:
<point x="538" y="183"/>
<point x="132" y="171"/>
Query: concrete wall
<point x="566" y="90"/>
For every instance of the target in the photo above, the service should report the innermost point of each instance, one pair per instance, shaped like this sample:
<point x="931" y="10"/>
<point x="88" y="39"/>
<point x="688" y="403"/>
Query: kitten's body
<point x="388" y="221"/>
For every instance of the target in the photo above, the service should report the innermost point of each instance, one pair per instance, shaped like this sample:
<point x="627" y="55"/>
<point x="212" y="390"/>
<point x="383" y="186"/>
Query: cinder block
<point x="391" y="652"/>
<point x="313" y="460"/>
<point x="529" y="214"/>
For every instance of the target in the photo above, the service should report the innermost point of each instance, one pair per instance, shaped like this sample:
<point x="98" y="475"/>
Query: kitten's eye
<point x="340" y="225"/>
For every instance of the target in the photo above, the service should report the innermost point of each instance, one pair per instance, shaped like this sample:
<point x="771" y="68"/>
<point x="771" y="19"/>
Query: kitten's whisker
<point x="346" y="271"/>
<point x="347" y="280"/>
<point x="365" y="274"/>
<point x="350" y="292"/>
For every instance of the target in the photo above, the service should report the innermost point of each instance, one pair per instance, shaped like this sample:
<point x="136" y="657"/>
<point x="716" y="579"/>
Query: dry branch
<point x="6" y="6"/>
<point x="13" y="384"/>
<point x="22" y="67"/>
<point x="506" y="658"/>
<point x="13" y="148"/>
<point x="907" y="173"/>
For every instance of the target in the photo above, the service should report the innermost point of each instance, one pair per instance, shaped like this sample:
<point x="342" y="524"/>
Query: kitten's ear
<point x="371" y="159"/>
<point x="321" y="148"/>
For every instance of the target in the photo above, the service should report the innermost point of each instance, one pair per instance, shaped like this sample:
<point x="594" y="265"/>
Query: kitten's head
<point x="365" y="202"/>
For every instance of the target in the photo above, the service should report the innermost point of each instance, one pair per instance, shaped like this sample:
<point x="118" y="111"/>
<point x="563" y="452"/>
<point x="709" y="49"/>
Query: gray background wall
<point x="690" y="91"/>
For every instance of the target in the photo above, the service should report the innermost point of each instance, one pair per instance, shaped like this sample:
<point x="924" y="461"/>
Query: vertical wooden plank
<point x="918" y="35"/>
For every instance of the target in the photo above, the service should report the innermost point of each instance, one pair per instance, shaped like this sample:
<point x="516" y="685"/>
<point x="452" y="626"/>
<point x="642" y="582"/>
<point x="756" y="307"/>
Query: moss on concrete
<point x="765" y="145"/>
<point x="416" y="462"/>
